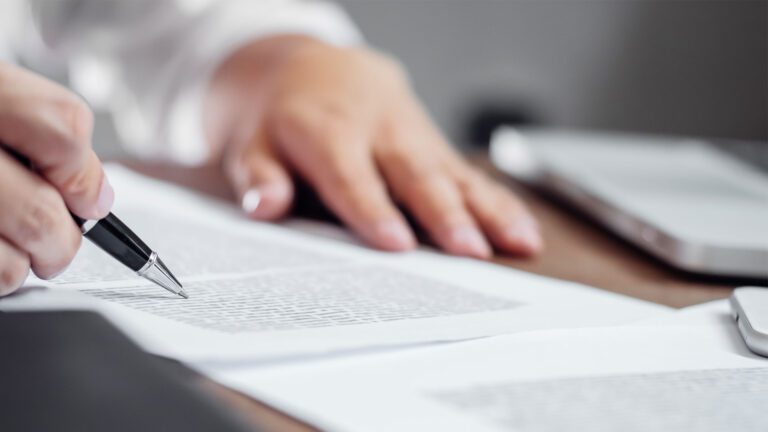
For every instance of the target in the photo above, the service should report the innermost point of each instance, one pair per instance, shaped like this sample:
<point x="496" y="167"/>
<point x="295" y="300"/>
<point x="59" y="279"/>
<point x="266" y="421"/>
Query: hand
<point x="52" y="127"/>
<point x="347" y="122"/>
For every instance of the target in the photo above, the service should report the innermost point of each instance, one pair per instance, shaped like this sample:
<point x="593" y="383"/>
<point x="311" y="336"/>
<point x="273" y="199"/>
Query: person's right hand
<point x="52" y="127"/>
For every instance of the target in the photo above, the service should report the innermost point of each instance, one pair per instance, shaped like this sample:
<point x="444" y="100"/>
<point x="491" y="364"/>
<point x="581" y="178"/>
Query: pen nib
<point x="158" y="273"/>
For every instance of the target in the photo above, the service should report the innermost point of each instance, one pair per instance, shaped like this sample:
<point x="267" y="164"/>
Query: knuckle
<point x="78" y="184"/>
<point x="348" y="173"/>
<point x="70" y="248"/>
<point x="349" y="185"/>
<point x="54" y="265"/>
<point x="412" y="164"/>
<point x="326" y="119"/>
<point x="472" y="181"/>
<point x="416" y="185"/>
<point x="335" y="116"/>
<point x="65" y="256"/>
<point x="13" y="273"/>
<point x="77" y="120"/>
<point x="426" y="181"/>
<point x="290" y="117"/>
<point x="42" y="213"/>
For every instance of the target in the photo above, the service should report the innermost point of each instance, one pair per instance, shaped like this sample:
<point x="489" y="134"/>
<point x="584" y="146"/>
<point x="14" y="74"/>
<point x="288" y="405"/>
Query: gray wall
<point x="690" y="67"/>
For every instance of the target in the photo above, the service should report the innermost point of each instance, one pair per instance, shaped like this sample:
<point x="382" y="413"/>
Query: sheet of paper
<point x="624" y="378"/>
<point x="265" y="292"/>
<point x="717" y="312"/>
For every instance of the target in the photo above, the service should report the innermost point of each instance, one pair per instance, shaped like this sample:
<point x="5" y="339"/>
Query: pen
<point x="115" y="238"/>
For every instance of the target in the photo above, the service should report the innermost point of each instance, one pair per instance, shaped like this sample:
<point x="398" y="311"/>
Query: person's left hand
<point x="346" y="120"/>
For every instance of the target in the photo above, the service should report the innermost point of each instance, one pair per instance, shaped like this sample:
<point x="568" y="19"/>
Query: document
<point x="628" y="378"/>
<point x="717" y="313"/>
<point x="264" y="292"/>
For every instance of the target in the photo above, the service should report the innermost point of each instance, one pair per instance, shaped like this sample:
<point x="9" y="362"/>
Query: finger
<point x="35" y="220"/>
<point x="52" y="127"/>
<point x="351" y="186"/>
<point x="437" y="205"/>
<point x="505" y="219"/>
<point x="14" y="267"/>
<point x="418" y="178"/>
<point x="260" y="180"/>
<point x="330" y="153"/>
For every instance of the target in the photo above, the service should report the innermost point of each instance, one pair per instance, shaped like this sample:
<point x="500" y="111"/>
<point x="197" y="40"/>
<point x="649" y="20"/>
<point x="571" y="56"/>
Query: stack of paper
<point x="348" y="338"/>
<point x="260" y="292"/>
<point x="632" y="378"/>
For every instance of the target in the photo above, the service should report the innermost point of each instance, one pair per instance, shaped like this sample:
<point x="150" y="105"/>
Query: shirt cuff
<point x="227" y="30"/>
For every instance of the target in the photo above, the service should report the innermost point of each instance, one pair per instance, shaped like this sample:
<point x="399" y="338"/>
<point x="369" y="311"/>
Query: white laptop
<point x="682" y="200"/>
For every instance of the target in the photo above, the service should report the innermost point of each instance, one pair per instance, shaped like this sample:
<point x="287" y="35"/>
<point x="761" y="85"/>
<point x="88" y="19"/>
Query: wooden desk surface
<point x="576" y="250"/>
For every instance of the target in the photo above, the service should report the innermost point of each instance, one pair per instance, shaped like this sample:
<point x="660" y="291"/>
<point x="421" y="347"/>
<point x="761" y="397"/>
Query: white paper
<point x="624" y="378"/>
<point x="716" y="312"/>
<point x="265" y="292"/>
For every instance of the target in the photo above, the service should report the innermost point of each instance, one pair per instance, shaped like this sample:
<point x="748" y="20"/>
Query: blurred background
<point x="693" y="67"/>
<point x="681" y="67"/>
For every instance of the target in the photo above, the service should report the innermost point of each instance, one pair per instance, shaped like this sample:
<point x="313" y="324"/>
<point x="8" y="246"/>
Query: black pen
<point x="115" y="238"/>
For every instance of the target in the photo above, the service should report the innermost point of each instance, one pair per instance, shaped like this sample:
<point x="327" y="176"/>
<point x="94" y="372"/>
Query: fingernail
<point x="526" y="231"/>
<point x="268" y="200"/>
<point x="251" y="200"/>
<point x="106" y="198"/>
<point x="470" y="241"/>
<point x="394" y="235"/>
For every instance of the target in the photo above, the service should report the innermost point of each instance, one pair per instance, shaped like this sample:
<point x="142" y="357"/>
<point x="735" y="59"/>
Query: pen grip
<point x="115" y="238"/>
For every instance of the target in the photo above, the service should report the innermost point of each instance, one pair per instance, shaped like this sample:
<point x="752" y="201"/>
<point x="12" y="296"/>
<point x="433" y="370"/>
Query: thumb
<point x="260" y="180"/>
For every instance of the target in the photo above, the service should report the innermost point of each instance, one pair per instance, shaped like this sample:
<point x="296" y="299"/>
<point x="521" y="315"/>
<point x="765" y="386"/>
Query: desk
<point x="576" y="250"/>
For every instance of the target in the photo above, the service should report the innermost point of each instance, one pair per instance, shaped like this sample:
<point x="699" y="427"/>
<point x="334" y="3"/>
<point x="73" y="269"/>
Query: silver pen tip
<point x="158" y="273"/>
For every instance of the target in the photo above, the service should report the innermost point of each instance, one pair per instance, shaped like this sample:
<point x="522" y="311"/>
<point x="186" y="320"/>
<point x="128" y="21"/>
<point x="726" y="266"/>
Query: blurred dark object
<point x="754" y="153"/>
<point x="309" y="205"/>
<point x="487" y="117"/>
<point x="73" y="371"/>
<point x="694" y="68"/>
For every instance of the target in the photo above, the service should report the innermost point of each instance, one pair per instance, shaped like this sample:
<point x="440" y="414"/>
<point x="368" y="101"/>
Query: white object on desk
<point x="681" y="200"/>
<point x="749" y="306"/>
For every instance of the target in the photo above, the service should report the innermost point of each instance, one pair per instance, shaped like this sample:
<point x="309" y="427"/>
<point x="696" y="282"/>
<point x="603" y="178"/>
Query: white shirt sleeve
<point x="13" y="18"/>
<point x="150" y="61"/>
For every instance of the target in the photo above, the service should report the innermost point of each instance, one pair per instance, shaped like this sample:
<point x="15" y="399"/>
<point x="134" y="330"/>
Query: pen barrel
<point x="115" y="238"/>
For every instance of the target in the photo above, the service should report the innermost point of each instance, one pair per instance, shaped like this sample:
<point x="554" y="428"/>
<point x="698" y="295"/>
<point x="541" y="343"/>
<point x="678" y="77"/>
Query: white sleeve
<point x="150" y="61"/>
<point x="13" y="18"/>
